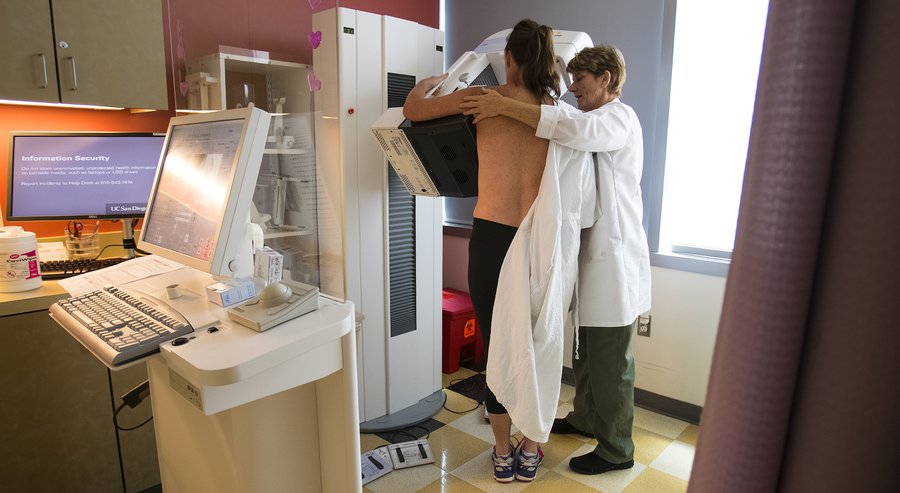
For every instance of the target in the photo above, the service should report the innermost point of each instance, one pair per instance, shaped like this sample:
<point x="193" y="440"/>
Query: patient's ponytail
<point x="531" y="46"/>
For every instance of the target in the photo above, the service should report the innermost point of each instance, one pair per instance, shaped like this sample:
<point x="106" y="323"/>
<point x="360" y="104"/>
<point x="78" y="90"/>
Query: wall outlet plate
<point x="643" y="328"/>
<point x="409" y="454"/>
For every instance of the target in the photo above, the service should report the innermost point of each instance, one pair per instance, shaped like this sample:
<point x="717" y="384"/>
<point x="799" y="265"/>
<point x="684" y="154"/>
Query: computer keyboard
<point x="61" y="269"/>
<point x="118" y="326"/>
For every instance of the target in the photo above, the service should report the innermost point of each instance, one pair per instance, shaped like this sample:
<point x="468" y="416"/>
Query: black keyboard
<point x="61" y="269"/>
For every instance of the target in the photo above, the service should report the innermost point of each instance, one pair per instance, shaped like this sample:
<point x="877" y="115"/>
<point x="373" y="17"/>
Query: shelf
<point x="286" y="151"/>
<point x="274" y="232"/>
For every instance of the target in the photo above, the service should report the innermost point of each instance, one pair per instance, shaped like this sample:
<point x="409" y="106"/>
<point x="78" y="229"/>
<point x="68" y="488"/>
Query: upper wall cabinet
<point x="97" y="52"/>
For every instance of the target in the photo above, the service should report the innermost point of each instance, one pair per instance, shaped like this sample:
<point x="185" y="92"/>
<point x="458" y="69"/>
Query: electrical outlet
<point x="643" y="328"/>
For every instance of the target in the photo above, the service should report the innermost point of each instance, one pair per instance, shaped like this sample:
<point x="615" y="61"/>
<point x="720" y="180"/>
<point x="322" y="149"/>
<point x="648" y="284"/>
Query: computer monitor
<point x="200" y="202"/>
<point x="80" y="175"/>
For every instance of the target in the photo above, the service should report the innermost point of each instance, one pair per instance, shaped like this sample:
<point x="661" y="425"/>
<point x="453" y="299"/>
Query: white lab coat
<point x="534" y="291"/>
<point x="614" y="262"/>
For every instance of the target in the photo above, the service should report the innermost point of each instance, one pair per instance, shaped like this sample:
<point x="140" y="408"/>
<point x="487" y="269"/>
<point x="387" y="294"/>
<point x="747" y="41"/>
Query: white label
<point x="19" y="266"/>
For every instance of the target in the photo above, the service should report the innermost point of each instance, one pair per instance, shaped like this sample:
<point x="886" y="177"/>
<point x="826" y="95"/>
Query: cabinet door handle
<point x="71" y="61"/>
<point x="40" y="71"/>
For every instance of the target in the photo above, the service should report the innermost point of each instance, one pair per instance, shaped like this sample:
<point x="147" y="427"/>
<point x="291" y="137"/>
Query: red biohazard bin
<point x="460" y="330"/>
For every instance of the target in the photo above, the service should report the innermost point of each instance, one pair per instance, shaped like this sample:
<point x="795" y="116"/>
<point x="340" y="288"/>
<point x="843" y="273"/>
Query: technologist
<point x="614" y="260"/>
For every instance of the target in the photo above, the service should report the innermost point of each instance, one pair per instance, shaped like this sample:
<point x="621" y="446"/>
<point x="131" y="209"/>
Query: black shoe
<point x="591" y="463"/>
<point x="562" y="427"/>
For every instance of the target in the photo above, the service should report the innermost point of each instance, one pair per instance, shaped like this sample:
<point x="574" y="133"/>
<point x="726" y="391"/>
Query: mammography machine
<point x="439" y="157"/>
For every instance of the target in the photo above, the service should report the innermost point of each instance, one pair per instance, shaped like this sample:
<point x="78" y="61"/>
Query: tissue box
<point x="268" y="265"/>
<point x="227" y="293"/>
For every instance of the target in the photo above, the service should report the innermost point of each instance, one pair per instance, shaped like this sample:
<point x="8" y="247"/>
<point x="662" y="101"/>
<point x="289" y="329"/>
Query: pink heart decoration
<point x="315" y="3"/>
<point x="314" y="84"/>
<point x="183" y="86"/>
<point x="315" y="38"/>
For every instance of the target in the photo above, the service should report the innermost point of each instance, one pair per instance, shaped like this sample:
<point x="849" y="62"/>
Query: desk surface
<point x="50" y="291"/>
<point x="32" y="300"/>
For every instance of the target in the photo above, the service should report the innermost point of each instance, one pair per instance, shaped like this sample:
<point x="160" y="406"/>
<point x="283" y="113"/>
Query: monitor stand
<point x="128" y="237"/>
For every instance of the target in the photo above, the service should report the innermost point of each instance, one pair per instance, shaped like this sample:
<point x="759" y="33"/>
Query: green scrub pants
<point x="604" y="390"/>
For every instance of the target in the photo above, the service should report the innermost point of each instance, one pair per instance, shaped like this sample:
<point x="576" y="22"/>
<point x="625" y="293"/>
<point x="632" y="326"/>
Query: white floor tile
<point x="676" y="460"/>
<point x="657" y="423"/>
<point x="566" y="393"/>
<point x="474" y="424"/>
<point x="409" y="479"/>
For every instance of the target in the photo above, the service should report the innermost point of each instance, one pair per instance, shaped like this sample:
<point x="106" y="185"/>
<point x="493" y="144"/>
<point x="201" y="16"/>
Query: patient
<point x="510" y="164"/>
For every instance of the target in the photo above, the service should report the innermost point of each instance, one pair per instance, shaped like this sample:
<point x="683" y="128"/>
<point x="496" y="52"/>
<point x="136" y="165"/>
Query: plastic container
<point x="460" y="329"/>
<point x="83" y="246"/>
<point x="19" y="266"/>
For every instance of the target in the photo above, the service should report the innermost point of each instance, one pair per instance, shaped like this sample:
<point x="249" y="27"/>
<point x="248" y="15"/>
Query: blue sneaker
<point x="504" y="465"/>
<point x="527" y="464"/>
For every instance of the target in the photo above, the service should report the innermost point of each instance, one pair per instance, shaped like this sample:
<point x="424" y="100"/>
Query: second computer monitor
<point x="200" y="202"/>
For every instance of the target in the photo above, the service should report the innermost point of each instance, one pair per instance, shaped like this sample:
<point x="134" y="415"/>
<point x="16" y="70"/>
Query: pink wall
<point x="425" y="12"/>
<point x="198" y="27"/>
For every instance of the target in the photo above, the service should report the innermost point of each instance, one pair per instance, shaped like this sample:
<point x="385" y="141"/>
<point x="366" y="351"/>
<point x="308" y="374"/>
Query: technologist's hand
<point x="487" y="105"/>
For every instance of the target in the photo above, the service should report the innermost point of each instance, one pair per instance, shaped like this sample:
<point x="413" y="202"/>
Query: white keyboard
<point x="118" y="326"/>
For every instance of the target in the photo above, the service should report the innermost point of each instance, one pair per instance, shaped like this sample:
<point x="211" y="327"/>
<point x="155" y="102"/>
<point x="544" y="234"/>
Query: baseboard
<point x="654" y="402"/>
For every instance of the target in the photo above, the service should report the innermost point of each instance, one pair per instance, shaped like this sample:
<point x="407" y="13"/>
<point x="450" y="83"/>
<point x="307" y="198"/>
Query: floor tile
<point x="566" y="393"/>
<point x="461" y="374"/>
<point x="676" y="460"/>
<point x="406" y="480"/>
<point x="480" y="473"/>
<point x="553" y="482"/>
<point x="450" y="484"/>
<point x="475" y="425"/>
<point x="413" y="432"/>
<point x="653" y="481"/>
<point x="609" y="482"/>
<point x="559" y="449"/>
<point x="452" y="448"/>
<point x="689" y="435"/>
<point x="648" y="445"/>
<point x="369" y="441"/>
<point x="657" y="423"/>
<point x="456" y="405"/>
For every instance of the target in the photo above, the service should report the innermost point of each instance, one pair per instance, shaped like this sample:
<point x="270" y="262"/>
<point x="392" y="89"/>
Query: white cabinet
<point x="95" y="52"/>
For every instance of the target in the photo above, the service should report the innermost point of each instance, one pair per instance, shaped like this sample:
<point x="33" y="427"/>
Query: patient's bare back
<point x="510" y="163"/>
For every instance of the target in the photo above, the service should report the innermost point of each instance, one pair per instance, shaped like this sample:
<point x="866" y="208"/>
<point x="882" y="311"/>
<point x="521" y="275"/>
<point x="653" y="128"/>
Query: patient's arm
<point x="419" y="108"/>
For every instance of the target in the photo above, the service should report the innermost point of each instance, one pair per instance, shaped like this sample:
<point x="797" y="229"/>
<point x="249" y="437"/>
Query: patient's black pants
<point x="487" y="248"/>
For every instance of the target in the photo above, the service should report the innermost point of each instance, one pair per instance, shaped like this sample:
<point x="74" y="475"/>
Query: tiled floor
<point x="460" y="443"/>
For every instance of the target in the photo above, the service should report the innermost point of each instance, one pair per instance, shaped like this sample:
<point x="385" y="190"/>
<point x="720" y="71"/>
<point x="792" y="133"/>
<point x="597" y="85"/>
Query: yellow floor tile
<point x="556" y="483"/>
<point x="461" y="374"/>
<point x="456" y="405"/>
<point x="368" y="441"/>
<point x="653" y="481"/>
<point x="452" y="448"/>
<point x="689" y="435"/>
<point x="450" y="484"/>
<point x="648" y="445"/>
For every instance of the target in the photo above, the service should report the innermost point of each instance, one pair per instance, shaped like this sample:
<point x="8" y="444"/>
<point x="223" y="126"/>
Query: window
<point x="715" y="67"/>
